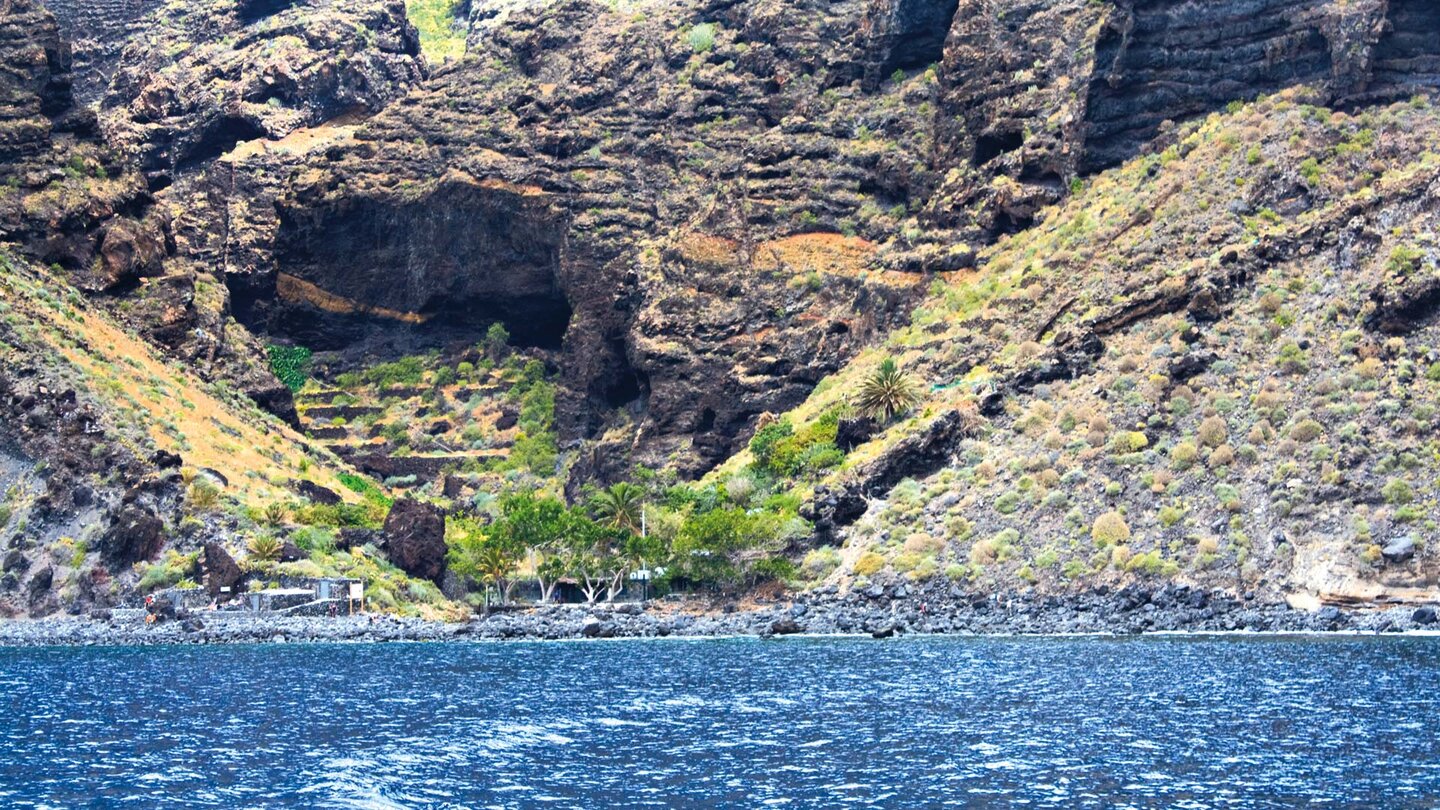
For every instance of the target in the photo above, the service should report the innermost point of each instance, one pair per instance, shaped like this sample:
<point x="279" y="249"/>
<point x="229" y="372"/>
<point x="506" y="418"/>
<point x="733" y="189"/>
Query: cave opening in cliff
<point x="254" y="10"/>
<point x="917" y="39"/>
<point x="410" y="271"/>
<point x="219" y="138"/>
<point x="534" y="321"/>
<point x="624" y="385"/>
<point x="993" y="145"/>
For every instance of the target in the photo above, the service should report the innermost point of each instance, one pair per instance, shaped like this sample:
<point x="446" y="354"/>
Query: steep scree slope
<point x="1216" y="364"/>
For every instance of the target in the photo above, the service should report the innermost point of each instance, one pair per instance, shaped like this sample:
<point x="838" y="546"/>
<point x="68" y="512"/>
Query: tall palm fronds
<point x="887" y="393"/>
<point x="620" y="507"/>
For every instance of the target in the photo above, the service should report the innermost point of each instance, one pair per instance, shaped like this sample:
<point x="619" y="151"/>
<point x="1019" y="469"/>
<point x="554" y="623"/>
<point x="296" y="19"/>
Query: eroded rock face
<point x="1039" y="93"/>
<point x="415" y="539"/>
<point x="36" y="82"/>
<point x="97" y="31"/>
<point x="905" y="35"/>
<point x="1172" y="60"/>
<point x="136" y="534"/>
<point x="260" y="69"/>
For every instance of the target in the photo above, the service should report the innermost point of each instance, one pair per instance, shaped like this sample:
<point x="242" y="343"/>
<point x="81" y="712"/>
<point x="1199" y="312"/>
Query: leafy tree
<point x="549" y="569"/>
<point x="497" y="342"/>
<point x="529" y="523"/>
<point x="597" y="555"/>
<point x="640" y="553"/>
<point x="888" y="392"/>
<point x="483" y="558"/>
<point x="706" y="542"/>
<point x="534" y="527"/>
<point x="291" y="365"/>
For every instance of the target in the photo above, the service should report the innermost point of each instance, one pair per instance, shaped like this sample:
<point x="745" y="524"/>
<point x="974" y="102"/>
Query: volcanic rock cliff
<point x="664" y="159"/>
<point x="698" y="211"/>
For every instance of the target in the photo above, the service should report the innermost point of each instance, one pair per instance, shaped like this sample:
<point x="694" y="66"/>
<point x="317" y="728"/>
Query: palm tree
<point x="888" y="392"/>
<point x="620" y="507"/>
<point x="494" y="566"/>
<point x="265" y="548"/>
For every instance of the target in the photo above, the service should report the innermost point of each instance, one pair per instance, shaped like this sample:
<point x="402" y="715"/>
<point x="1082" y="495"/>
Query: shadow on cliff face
<point x="912" y="35"/>
<point x="1174" y="59"/>
<point x="1409" y="54"/>
<point x="446" y="262"/>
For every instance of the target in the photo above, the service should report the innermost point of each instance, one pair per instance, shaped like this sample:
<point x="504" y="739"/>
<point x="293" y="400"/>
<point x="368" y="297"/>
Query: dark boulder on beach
<point x="415" y="539"/>
<point x="786" y="627"/>
<point x="222" y="573"/>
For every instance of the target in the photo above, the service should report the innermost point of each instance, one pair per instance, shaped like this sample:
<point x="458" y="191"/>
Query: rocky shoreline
<point x="880" y="612"/>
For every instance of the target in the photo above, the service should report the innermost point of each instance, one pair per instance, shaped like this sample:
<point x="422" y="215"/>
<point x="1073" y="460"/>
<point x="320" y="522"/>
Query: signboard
<point x="357" y="590"/>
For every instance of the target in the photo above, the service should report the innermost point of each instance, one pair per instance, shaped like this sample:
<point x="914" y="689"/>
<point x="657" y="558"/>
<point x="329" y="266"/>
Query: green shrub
<point x="1404" y="260"/>
<point x="1183" y="455"/>
<point x="171" y="570"/>
<point x="1109" y="529"/>
<point x="405" y="371"/>
<point x="869" y="564"/>
<point x="1306" y="430"/>
<point x="820" y="562"/>
<point x="1170" y="515"/>
<point x="314" y="539"/>
<point x="497" y="342"/>
<point x="782" y="452"/>
<point x="1409" y="513"/>
<point x="291" y="365"/>
<point x="1129" y="441"/>
<point x="1397" y="492"/>
<point x="1213" y="431"/>
<point x="702" y="37"/>
<point x="772" y="569"/>
<point x="1292" y="359"/>
<point x="1151" y="564"/>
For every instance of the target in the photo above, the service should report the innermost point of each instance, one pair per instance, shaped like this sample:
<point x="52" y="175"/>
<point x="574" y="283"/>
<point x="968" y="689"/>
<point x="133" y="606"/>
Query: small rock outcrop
<point x="136" y="534"/>
<point x="1399" y="550"/>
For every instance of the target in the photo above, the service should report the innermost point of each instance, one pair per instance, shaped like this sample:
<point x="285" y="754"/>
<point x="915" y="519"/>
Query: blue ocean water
<point x="1188" y="722"/>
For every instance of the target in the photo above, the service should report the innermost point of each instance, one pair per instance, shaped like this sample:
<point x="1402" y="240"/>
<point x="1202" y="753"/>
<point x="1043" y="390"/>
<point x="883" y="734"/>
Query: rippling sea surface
<point x="1188" y="722"/>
